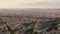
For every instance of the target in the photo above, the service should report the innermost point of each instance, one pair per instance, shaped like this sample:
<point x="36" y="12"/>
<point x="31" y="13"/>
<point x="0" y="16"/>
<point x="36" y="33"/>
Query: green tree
<point x="52" y="26"/>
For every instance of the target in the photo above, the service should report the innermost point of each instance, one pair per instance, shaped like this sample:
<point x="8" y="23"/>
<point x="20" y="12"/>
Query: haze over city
<point x="29" y="16"/>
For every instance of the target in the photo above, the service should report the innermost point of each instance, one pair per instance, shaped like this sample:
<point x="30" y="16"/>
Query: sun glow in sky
<point x="29" y="3"/>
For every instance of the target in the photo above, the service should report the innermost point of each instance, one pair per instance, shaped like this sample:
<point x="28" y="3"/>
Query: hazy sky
<point x="29" y="3"/>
